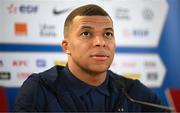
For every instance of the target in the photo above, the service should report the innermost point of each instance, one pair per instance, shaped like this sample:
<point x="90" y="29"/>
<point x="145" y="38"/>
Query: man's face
<point x="90" y="43"/>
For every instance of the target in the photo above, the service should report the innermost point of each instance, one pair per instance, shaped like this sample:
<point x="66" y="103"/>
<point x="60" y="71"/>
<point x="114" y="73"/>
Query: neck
<point x="91" y="78"/>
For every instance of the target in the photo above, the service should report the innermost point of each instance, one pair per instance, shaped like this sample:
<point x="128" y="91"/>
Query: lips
<point x="99" y="56"/>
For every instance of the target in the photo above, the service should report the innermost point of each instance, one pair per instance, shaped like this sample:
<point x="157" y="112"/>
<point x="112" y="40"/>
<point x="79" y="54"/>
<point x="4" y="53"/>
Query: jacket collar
<point x="80" y="88"/>
<point x="58" y="76"/>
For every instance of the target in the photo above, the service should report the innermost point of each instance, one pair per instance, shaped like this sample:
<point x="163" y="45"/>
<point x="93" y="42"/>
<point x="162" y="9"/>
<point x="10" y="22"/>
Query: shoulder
<point x="33" y="83"/>
<point x="126" y="83"/>
<point x="50" y="75"/>
<point x="36" y="80"/>
<point x="33" y="88"/>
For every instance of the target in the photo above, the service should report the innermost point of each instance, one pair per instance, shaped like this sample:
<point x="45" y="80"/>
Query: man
<point x="85" y="84"/>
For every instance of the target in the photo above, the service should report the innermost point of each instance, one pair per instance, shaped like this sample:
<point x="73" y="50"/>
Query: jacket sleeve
<point x="27" y="95"/>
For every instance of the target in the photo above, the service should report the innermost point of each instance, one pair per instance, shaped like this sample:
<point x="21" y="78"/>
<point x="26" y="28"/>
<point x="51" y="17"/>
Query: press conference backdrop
<point x="146" y="34"/>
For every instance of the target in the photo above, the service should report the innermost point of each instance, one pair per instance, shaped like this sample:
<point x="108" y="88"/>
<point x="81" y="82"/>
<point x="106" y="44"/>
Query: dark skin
<point x="90" y="46"/>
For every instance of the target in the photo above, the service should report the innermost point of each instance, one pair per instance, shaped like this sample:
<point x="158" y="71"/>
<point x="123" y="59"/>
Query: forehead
<point x="96" y="21"/>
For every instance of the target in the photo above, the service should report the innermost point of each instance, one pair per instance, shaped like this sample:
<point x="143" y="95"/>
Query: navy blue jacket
<point x="47" y="91"/>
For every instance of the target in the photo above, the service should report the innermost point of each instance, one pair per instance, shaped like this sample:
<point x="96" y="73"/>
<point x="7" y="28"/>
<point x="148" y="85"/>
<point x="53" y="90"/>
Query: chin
<point x="100" y="69"/>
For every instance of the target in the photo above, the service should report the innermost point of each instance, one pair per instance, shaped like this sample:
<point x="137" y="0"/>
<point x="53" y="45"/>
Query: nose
<point x="99" y="41"/>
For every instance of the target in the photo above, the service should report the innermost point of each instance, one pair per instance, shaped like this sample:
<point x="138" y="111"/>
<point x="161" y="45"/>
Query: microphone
<point x="122" y="87"/>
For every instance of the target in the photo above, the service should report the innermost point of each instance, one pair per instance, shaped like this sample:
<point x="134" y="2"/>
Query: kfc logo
<point x="19" y="63"/>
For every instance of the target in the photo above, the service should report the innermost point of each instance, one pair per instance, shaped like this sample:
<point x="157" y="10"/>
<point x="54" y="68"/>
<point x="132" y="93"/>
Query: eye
<point x="86" y="34"/>
<point x="108" y="34"/>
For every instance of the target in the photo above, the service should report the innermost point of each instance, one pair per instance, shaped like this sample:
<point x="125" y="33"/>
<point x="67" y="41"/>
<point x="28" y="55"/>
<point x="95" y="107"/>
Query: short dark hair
<point x="86" y="10"/>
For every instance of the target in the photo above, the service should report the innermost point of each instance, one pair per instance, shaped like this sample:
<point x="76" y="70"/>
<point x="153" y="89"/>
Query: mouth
<point x="100" y="57"/>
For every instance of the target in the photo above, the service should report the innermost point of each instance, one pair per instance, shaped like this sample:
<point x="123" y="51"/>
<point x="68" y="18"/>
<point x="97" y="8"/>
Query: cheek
<point x="112" y="47"/>
<point x="73" y="45"/>
<point x="78" y="48"/>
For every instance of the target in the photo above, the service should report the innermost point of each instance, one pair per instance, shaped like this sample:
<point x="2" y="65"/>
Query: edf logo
<point x="28" y="9"/>
<point x="24" y="9"/>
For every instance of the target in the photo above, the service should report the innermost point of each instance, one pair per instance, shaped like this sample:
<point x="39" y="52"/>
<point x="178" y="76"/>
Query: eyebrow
<point x="89" y="27"/>
<point x="86" y="27"/>
<point x="109" y="28"/>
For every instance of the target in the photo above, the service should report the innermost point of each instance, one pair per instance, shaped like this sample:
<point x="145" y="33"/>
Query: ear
<point x="65" y="46"/>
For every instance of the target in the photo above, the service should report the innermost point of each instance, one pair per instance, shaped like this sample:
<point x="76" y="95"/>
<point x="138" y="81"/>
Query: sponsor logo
<point x="20" y="29"/>
<point x="1" y="63"/>
<point x="47" y="30"/>
<point x="59" y="12"/>
<point x="126" y="33"/>
<point x="61" y="63"/>
<point x="122" y="14"/>
<point x="129" y="64"/>
<point x="23" y="75"/>
<point x="5" y="75"/>
<point x="132" y="75"/>
<point x="40" y="63"/>
<point x="152" y="76"/>
<point x="124" y="64"/>
<point x="147" y="14"/>
<point x="150" y="64"/>
<point x="138" y="33"/>
<point x="22" y="9"/>
<point x="28" y="9"/>
<point x="19" y="63"/>
<point x="12" y="9"/>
